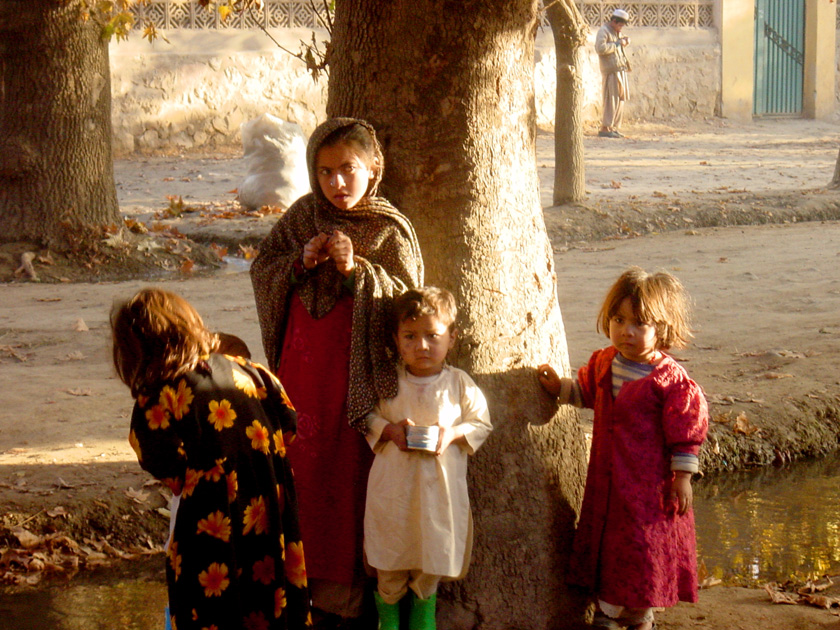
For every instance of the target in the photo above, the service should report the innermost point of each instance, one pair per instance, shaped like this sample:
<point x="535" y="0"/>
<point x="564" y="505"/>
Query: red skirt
<point x="330" y="460"/>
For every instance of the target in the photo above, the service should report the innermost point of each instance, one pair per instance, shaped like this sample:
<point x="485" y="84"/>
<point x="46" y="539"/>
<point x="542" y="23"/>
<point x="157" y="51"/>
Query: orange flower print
<point x="286" y="400"/>
<point x="172" y="622"/>
<point x="216" y="525"/>
<point x="174" y="484"/>
<point x="308" y="623"/>
<point x="279" y="602"/>
<point x="232" y="486"/>
<point x="256" y="517"/>
<point x="215" y="473"/>
<point x="214" y="579"/>
<point x="135" y="445"/>
<point x="191" y="481"/>
<point x="211" y="627"/>
<point x="282" y="547"/>
<point x="244" y="383"/>
<point x="259" y="436"/>
<point x="279" y="445"/>
<point x="255" y="621"/>
<point x="221" y="415"/>
<point x="157" y="417"/>
<point x="264" y="570"/>
<point x="174" y="560"/>
<point x="176" y="402"/>
<point x="295" y="566"/>
<point x="142" y="400"/>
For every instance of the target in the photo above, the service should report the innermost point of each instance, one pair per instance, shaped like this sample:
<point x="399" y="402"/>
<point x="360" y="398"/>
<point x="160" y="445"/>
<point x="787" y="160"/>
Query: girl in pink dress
<point x="634" y="548"/>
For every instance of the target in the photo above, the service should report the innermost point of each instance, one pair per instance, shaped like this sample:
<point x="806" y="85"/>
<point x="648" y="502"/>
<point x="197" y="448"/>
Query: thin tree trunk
<point x="569" y="31"/>
<point x="835" y="180"/>
<point x="450" y="88"/>
<point x="56" y="172"/>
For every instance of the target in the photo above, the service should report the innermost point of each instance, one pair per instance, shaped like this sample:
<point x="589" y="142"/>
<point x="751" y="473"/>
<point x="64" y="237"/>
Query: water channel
<point x="752" y="527"/>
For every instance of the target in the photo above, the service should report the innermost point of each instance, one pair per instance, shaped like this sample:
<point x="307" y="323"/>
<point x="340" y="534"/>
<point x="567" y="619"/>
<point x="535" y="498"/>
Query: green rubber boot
<point x="422" y="614"/>
<point x="389" y="614"/>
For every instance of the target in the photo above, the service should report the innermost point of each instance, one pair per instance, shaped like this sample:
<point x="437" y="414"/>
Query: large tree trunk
<point x="56" y="173"/>
<point x="450" y="87"/>
<point x="569" y="31"/>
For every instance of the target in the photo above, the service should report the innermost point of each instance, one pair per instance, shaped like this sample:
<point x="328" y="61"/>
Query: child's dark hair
<point x="157" y="335"/>
<point x="416" y="303"/>
<point x="363" y="139"/>
<point x="657" y="299"/>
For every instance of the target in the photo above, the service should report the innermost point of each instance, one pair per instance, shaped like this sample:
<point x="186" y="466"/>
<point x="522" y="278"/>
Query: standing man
<point x="609" y="44"/>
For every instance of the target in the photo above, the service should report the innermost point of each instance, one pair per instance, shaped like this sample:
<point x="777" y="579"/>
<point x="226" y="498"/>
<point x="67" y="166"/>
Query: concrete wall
<point x="194" y="92"/>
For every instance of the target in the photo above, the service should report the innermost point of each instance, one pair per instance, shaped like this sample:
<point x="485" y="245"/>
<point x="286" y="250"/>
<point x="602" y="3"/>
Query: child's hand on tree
<point x="549" y="379"/>
<point x="681" y="492"/>
<point x="396" y="433"/>
<point x="314" y="252"/>
<point x="340" y="249"/>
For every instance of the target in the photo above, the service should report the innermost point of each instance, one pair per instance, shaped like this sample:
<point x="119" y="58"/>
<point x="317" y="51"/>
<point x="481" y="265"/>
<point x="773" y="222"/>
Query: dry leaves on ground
<point x="36" y="556"/>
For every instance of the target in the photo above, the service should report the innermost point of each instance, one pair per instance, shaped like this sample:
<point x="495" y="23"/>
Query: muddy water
<point x="752" y="527"/>
<point x="771" y="524"/>
<point x="130" y="597"/>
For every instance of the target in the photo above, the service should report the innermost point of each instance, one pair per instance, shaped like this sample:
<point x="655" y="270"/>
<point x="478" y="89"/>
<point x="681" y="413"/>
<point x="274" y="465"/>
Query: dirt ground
<point x="739" y="212"/>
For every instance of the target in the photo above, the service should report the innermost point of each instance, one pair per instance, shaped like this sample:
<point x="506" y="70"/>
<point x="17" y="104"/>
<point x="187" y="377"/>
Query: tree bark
<point x="835" y="180"/>
<point x="569" y="31"/>
<point x="56" y="170"/>
<point x="450" y="88"/>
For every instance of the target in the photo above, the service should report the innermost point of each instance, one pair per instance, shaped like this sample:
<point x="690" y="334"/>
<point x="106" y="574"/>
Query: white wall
<point x="194" y="92"/>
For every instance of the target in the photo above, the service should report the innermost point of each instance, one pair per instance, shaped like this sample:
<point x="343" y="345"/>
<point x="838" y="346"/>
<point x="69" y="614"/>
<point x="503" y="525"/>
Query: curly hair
<point x="157" y="336"/>
<point x="659" y="299"/>
<point x="416" y="303"/>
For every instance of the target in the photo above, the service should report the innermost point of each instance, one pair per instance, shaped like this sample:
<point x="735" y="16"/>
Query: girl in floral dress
<point x="635" y="548"/>
<point x="214" y="429"/>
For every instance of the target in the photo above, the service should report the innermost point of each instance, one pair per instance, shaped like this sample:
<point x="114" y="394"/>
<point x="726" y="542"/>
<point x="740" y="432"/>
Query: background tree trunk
<point x="450" y="88"/>
<point x="835" y="180"/>
<point x="55" y="123"/>
<point x="569" y="31"/>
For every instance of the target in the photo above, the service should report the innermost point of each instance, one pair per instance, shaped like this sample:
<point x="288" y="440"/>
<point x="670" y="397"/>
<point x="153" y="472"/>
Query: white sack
<point x="275" y="156"/>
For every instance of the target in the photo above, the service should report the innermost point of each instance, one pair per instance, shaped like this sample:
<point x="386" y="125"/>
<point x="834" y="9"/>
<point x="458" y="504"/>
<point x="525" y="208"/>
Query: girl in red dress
<point x="323" y="282"/>
<point x="635" y="547"/>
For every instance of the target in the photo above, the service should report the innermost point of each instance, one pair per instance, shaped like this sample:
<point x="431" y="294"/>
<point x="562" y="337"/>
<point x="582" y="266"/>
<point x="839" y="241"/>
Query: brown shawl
<point x="388" y="261"/>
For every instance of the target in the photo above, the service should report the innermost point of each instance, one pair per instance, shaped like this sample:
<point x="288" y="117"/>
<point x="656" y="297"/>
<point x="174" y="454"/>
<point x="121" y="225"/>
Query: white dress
<point x="417" y="514"/>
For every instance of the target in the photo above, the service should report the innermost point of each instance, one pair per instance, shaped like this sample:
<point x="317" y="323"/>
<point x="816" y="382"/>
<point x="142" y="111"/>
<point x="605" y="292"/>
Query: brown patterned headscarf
<point x="388" y="261"/>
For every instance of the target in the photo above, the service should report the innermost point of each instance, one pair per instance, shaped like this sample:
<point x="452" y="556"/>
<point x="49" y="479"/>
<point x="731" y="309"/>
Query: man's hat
<point x="621" y="14"/>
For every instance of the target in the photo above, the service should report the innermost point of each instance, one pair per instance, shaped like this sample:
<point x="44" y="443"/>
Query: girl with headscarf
<point x="323" y="282"/>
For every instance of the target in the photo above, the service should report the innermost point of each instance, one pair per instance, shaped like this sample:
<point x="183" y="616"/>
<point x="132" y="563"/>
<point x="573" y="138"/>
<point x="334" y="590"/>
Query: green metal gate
<point x="779" y="56"/>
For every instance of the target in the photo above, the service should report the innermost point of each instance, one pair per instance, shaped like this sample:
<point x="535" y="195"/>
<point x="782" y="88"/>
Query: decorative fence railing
<point x="185" y="14"/>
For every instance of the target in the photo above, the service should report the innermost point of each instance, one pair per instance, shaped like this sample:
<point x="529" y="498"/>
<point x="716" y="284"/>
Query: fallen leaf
<point x="78" y="391"/>
<point x="27" y="539"/>
<point x="48" y="299"/>
<point x="821" y="601"/>
<point x="743" y="425"/>
<point x="76" y="355"/>
<point x="815" y="587"/>
<point x="57" y="511"/>
<point x="248" y="252"/>
<point x="138" y="496"/>
<point x="80" y="325"/>
<point x="187" y="266"/>
<point x="777" y="596"/>
<point x="776" y="375"/>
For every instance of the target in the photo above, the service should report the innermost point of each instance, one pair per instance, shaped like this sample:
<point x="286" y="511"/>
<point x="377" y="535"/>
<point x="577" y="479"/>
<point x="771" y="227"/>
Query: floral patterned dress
<point x="217" y="437"/>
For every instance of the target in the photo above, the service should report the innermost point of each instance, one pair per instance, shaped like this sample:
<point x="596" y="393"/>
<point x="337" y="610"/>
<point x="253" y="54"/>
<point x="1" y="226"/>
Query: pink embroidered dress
<point x="631" y="548"/>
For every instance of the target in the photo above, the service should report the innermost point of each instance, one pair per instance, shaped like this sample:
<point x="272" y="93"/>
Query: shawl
<point x="388" y="261"/>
